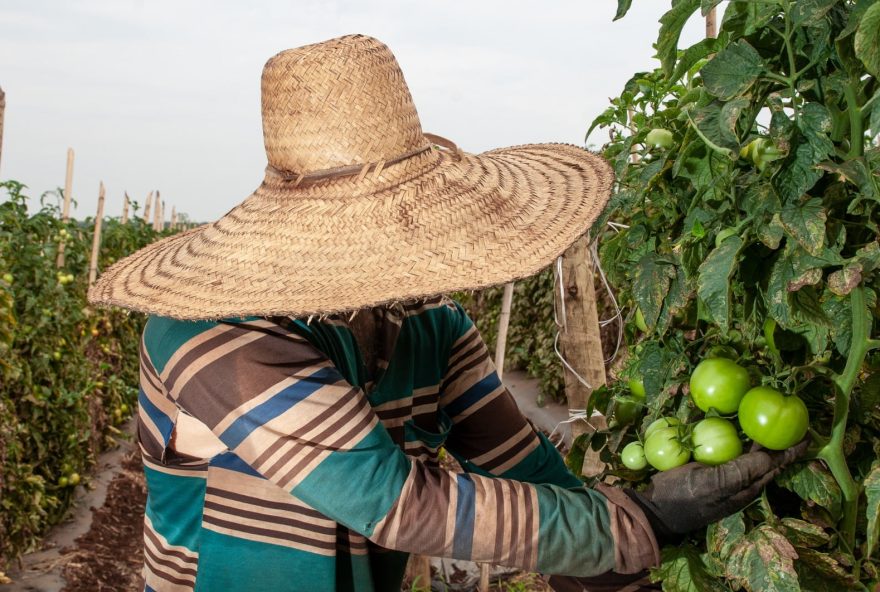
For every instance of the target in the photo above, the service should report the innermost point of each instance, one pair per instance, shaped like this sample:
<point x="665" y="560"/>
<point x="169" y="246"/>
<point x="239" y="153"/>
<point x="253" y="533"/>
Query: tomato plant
<point x="754" y="237"/>
<point x="54" y="351"/>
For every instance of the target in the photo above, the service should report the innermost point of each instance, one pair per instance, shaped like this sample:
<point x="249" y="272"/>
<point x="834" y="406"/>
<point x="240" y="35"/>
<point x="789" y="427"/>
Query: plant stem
<point x="832" y="452"/>
<point x="856" y="132"/>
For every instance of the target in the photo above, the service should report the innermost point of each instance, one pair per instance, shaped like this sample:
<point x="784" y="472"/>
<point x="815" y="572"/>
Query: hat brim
<point x="434" y="224"/>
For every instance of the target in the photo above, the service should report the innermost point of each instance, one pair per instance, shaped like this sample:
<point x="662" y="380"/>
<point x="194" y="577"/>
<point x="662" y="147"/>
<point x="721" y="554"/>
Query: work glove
<point x="688" y="498"/>
<point x="695" y="495"/>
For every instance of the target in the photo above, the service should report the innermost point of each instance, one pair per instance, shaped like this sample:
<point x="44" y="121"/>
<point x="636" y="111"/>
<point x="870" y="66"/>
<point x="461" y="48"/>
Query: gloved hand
<point x="694" y="495"/>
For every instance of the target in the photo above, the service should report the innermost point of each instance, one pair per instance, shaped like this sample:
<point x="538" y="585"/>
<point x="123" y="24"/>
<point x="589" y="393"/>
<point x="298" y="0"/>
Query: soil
<point x="109" y="556"/>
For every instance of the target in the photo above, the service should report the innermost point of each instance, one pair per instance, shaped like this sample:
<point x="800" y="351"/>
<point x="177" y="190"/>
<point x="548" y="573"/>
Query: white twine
<point x="581" y="414"/>
<point x="573" y="416"/>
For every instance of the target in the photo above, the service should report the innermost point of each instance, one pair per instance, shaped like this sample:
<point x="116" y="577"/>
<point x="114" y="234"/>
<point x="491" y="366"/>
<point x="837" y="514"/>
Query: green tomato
<point x="62" y="481"/>
<point x="637" y="388"/>
<point x="659" y="138"/>
<point x="7" y="277"/>
<point x="719" y="383"/>
<point x="663" y="449"/>
<point x="73" y="479"/>
<point x="633" y="456"/>
<point x="640" y="321"/>
<point x="715" y="441"/>
<point x="663" y="422"/>
<point x="773" y="420"/>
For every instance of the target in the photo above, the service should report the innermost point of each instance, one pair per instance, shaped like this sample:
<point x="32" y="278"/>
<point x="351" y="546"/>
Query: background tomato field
<point x="68" y="373"/>
<point x="748" y="229"/>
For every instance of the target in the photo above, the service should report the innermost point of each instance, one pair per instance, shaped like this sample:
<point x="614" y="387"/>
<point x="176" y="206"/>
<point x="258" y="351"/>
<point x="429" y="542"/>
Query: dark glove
<point x="694" y="495"/>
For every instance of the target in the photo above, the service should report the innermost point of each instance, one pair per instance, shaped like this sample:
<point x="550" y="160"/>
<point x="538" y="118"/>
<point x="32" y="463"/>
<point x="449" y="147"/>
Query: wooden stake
<point x="125" y="209"/>
<point x="148" y="206"/>
<point x="65" y="210"/>
<point x="173" y="218"/>
<point x="156" y="213"/>
<point x="580" y="340"/>
<point x="96" y="239"/>
<point x="162" y="217"/>
<point x="418" y="571"/>
<point x="711" y="27"/>
<point x="2" y="113"/>
<point x="503" y="325"/>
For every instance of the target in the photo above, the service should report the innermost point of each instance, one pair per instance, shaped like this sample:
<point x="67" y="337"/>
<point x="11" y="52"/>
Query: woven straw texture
<point x="436" y="221"/>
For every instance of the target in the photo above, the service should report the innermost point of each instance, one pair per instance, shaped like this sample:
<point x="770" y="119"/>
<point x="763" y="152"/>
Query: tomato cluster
<point x="721" y="388"/>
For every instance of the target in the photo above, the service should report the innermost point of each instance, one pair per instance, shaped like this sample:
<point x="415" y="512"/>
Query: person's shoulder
<point x="163" y="336"/>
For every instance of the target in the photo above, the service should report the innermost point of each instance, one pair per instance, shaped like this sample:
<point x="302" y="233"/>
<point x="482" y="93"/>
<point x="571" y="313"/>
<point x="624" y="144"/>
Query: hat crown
<point x="337" y="103"/>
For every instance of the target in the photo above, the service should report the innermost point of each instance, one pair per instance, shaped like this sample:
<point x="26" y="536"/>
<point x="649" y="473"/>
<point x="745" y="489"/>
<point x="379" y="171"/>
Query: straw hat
<point x="359" y="207"/>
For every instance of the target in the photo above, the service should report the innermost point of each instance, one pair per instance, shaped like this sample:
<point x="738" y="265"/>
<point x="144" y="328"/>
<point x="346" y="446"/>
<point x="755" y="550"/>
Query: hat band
<point x="361" y="170"/>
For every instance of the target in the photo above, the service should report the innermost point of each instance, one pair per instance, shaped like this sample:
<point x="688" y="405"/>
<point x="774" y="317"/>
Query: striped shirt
<point x="275" y="463"/>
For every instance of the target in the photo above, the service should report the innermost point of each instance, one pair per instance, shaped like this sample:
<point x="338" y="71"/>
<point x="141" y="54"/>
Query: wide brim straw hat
<point x="359" y="207"/>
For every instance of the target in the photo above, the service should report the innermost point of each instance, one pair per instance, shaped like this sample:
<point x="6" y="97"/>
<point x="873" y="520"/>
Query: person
<point x="301" y="367"/>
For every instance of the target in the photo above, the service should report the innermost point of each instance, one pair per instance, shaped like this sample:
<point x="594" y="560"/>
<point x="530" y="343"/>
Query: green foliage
<point x="756" y="235"/>
<point x="67" y="372"/>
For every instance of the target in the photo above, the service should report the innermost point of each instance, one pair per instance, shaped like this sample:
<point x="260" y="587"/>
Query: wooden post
<point x="2" y="113"/>
<point x="125" y="209"/>
<point x="148" y="206"/>
<point x="173" y="218"/>
<point x="580" y="340"/>
<point x="157" y="212"/>
<point x="418" y="572"/>
<point x="65" y="210"/>
<point x="711" y="27"/>
<point x="96" y="239"/>
<point x="503" y="324"/>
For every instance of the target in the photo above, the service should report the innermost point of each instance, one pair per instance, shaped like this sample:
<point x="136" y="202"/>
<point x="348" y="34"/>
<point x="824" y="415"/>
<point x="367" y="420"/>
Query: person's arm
<point x="279" y="405"/>
<point x="489" y="434"/>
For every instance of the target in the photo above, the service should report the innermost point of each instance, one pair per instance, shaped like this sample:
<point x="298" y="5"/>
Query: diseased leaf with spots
<point x="843" y="281"/>
<point x="763" y="561"/>
<point x="650" y="285"/>
<point x="682" y="570"/>
<point x="867" y="42"/>
<point x="805" y="222"/>
<point x="723" y="535"/>
<point x="713" y="285"/>
<point x="820" y="572"/>
<point x="812" y="481"/>
<point x="733" y="70"/>
<point x="806" y="12"/>
<point x="803" y="534"/>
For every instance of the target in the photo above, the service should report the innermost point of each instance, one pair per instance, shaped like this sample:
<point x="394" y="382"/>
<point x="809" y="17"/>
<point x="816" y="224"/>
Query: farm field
<point x="737" y="273"/>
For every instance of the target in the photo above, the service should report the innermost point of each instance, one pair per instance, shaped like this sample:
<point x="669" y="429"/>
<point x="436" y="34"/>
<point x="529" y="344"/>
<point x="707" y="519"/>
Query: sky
<point x="165" y="94"/>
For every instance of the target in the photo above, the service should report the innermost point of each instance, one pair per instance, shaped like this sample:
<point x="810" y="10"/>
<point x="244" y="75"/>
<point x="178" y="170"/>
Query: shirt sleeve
<point x="489" y="434"/>
<point x="281" y="407"/>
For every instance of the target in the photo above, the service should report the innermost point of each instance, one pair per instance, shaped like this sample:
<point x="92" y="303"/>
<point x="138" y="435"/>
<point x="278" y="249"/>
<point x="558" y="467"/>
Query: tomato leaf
<point x="733" y="70"/>
<point x="867" y="41"/>
<point x="671" y="25"/>
<point x="810" y="145"/>
<point x="723" y="535"/>
<point x="805" y="222"/>
<point x="842" y="281"/>
<point x="807" y="12"/>
<point x="803" y="534"/>
<point x="872" y="509"/>
<point x="713" y="285"/>
<point x="622" y="8"/>
<point x="820" y="572"/>
<point x="651" y="284"/>
<point x="682" y="570"/>
<point x="763" y="561"/>
<point x="812" y="481"/>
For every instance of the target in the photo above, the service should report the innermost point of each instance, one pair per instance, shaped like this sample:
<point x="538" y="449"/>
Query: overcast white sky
<point x="164" y="94"/>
